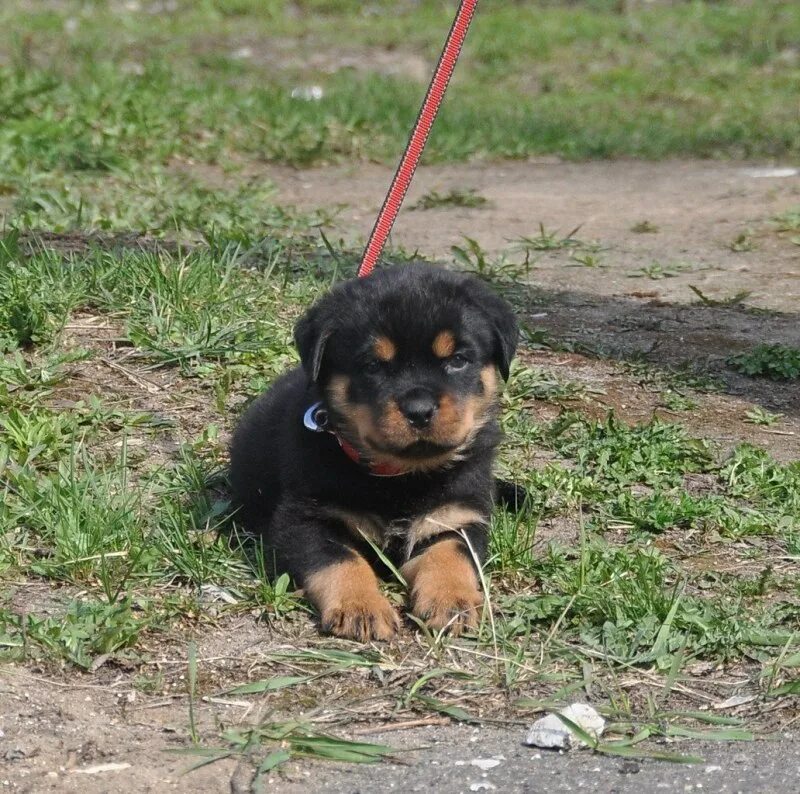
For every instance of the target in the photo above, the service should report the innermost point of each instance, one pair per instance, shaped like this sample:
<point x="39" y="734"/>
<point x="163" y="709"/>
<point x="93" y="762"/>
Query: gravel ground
<point x="446" y="763"/>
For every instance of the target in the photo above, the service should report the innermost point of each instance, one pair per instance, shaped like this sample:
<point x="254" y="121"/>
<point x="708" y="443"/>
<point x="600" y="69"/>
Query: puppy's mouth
<point x="417" y="450"/>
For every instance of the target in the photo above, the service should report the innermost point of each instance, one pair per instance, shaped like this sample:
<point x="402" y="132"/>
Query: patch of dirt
<point x="717" y="416"/>
<point x="84" y="735"/>
<point x="111" y="729"/>
<point x="697" y="210"/>
<point x="309" y="54"/>
<point x="126" y="383"/>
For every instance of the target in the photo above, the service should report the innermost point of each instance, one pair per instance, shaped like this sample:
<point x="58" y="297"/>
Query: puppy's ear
<point x="506" y="336"/>
<point x="503" y="322"/>
<point x="310" y="335"/>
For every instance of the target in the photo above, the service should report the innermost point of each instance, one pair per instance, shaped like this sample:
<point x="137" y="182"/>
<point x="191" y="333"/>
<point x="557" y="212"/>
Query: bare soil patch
<point x="696" y="210"/>
<point x="311" y="54"/>
<point x="127" y="725"/>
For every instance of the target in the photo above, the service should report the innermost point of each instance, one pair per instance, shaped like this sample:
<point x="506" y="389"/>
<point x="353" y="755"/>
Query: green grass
<point x="777" y="362"/>
<point x="788" y="225"/>
<point x="658" y="270"/>
<point x="758" y="416"/>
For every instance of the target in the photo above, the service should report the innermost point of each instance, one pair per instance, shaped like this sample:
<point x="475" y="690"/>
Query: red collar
<point x="375" y="469"/>
<point x="316" y="420"/>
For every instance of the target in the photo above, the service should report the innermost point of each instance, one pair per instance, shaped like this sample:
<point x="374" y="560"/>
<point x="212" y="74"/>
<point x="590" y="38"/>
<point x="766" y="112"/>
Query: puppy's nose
<point x="418" y="407"/>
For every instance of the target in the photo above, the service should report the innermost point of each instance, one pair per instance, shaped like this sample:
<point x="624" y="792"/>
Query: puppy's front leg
<point x="349" y="602"/>
<point x="444" y="587"/>
<point x="442" y="579"/>
<point x="337" y="580"/>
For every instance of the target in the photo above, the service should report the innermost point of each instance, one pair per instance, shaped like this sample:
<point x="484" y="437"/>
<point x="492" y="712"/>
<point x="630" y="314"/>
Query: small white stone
<point x="771" y="173"/>
<point x="311" y="93"/>
<point x="551" y="733"/>
<point x="483" y="786"/>
<point x="484" y="764"/>
<point x="548" y="732"/>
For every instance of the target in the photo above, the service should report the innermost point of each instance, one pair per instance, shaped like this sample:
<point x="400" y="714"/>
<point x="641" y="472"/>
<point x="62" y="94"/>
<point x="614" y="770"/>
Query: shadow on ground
<point x="668" y="335"/>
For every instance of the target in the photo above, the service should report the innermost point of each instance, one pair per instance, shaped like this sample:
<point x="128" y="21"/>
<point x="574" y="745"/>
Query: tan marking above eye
<point x="384" y="348"/>
<point x="444" y="345"/>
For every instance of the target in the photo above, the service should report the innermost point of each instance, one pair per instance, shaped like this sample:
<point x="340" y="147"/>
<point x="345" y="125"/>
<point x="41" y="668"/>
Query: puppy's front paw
<point x="349" y="602"/>
<point x="362" y="620"/>
<point x="455" y="607"/>
<point x="444" y="588"/>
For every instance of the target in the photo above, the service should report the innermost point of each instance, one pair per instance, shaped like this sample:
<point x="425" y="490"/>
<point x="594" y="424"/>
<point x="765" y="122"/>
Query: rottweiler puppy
<point x="386" y="435"/>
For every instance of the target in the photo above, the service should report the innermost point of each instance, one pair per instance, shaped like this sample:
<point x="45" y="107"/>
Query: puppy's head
<point x="407" y="360"/>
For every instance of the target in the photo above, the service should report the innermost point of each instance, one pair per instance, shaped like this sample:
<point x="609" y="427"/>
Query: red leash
<point x="419" y="136"/>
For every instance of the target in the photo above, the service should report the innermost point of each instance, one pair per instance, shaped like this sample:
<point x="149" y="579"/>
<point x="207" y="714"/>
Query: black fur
<point x="287" y="480"/>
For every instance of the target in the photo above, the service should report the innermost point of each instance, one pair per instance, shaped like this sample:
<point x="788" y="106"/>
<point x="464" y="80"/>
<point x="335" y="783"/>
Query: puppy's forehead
<point x="424" y="329"/>
<point x="406" y="311"/>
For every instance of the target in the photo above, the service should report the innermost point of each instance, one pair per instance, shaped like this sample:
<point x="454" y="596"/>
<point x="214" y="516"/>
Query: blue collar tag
<point x="316" y="418"/>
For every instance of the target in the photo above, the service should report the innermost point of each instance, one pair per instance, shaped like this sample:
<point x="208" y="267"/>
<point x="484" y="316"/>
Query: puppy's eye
<point x="372" y="366"/>
<point x="456" y="362"/>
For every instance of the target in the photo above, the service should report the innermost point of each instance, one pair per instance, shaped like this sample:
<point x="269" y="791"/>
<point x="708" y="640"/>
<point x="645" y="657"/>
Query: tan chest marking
<point x="447" y="518"/>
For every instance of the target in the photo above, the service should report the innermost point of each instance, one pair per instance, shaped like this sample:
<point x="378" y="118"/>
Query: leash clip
<point x="316" y="418"/>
